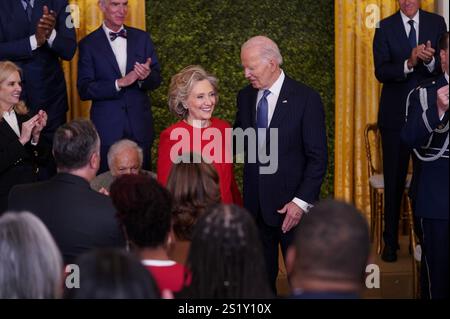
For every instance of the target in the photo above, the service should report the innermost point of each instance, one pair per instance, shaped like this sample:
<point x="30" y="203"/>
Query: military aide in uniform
<point x="427" y="131"/>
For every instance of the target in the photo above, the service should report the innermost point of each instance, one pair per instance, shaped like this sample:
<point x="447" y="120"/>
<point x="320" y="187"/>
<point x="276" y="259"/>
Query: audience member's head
<point x="125" y="157"/>
<point x="10" y="93"/>
<point x="330" y="251"/>
<point x="30" y="262"/>
<point x="194" y="185"/>
<point x="182" y="85"/>
<point x="76" y="148"/>
<point x="112" y="274"/>
<point x="226" y="258"/>
<point x="144" y="209"/>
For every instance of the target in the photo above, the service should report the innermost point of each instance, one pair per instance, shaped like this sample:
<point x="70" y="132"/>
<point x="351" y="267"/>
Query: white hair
<point x="30" y="262"/>
<point x="121" y="145"/>
<point x="267" y="48"/>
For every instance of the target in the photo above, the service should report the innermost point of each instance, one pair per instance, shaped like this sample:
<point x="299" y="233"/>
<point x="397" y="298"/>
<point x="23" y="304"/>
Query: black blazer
<point x="18" y="163"/>
<point x="390" y="50"/>
<point x="302" y="150"/>
<point x="79" y="218"/>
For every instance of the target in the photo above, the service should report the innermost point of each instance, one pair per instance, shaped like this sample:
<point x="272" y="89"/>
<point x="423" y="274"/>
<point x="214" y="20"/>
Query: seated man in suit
<point x="427" y="131"/>
<point x="124" y="157"/>
<point x="78" y="217"/>
<point x="329" y="255"/>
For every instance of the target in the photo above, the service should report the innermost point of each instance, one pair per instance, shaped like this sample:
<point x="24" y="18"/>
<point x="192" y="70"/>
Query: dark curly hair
<point x="226" y="257"/>
<point x="143" y="208"/>
<point x="194" y="187"/>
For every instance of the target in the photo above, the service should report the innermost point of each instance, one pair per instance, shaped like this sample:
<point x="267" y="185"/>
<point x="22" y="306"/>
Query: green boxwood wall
<point x="210" y="33"/>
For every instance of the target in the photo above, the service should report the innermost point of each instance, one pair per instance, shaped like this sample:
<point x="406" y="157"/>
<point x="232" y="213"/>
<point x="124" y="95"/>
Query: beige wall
<point x="442" y="9"/>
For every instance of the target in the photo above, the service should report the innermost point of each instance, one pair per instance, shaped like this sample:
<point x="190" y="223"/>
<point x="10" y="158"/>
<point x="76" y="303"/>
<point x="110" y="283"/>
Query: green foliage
<point x="211" y="32"/>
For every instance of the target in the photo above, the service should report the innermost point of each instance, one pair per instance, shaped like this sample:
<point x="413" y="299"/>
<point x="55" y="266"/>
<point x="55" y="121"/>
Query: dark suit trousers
<point x="271" y="238"/>
<point x="435" y="259"/>
<point x="395" y="167"/>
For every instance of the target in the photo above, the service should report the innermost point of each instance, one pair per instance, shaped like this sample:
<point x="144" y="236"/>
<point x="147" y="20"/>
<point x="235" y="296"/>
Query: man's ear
<point x="94" y="161"/>
<point x="290" y="259"/>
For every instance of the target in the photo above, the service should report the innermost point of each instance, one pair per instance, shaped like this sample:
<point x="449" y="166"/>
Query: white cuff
<point x="302" y="204"/>
<point x="33" y="42"/>
<point x="52" y="38"/>
<point x="407" y="70"/>
<point x="430" y="66"/>
<point x="117" y="86"/>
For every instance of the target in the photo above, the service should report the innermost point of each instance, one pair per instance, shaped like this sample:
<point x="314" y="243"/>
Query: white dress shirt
<point x="416" y="19"/>
<point x="272" y="99"/>
<point x="119" y="47"/>
<point x="11" y="118"/>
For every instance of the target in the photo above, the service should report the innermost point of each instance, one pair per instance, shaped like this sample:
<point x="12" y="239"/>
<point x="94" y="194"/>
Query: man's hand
<point x="45" y="26"/>
<point x="414" y="58"/>
<point x="103" y="191"/>
<point x="442" y="100"/>
<point x="127" y="80"/>
<point x="293" y="216"/>
<point x="427" y="54"/>
<point x="143" y="69"/>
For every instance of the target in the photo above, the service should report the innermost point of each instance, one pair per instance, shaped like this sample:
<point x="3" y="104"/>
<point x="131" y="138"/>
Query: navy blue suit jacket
<point x="302" y="150"/>
<point x="111" y="109"/>
<point x="390" y="50"/>
<point x="430" y="183"/>
<point x="43" y="77"/>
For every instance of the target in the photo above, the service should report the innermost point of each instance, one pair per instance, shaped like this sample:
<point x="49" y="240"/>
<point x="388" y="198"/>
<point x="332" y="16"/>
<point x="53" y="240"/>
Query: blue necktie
<point x="262" y="111"/>
<point x="412" y="35"/>
<point x="28" y="9"/>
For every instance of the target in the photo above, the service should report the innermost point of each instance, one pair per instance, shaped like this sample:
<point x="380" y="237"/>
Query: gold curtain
<point x="90" y="18"/>
<point x="357" y="92"/>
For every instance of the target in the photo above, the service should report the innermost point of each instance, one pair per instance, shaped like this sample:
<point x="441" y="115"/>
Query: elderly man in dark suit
<point x="117" y="67"/>
<point x="78" y="217"/>
<point x="404" y="54"/>
<point x="35" y="34"/>
<point x="427" y="131"/>
<point x="279" y="196"/>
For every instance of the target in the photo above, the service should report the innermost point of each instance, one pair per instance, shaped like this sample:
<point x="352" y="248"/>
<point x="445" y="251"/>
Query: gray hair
<point x="30" y="262"/>
<point x="181" y="86"/>
<point x="267" y="48"/>
<point x="119" y="146"/>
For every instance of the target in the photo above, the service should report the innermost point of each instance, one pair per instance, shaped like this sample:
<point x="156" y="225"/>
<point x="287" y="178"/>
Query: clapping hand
<point x="426" y="53"/>
<point x="143" y="69"/>
<point x="45" y="26"/>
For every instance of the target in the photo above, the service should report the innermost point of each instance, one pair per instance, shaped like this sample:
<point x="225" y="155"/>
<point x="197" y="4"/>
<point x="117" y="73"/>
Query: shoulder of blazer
<point x="93" y="36"/>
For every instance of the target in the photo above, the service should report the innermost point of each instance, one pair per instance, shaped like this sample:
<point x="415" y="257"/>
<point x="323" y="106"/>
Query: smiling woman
<point x="20" y="147"/>
<point x="192" y="98"/>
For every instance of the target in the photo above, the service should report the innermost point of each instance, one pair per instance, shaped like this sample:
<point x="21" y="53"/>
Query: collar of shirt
<point x="119" y="47"/>
<point x="25" y="4"/>
<point x="407" y="26"/>
<point x="272" y="98"/>
<point x="446" y="76"/>
<point x="11" y="118"/>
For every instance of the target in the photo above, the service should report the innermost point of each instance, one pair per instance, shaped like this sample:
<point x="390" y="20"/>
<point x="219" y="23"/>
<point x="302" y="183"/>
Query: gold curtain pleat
<point x="90" y="18"/>
<point x="357" y="93"/>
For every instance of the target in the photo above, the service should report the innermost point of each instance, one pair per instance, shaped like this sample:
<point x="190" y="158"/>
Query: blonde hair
<point x="6" y="69"/>
<point x="181" y="86"/>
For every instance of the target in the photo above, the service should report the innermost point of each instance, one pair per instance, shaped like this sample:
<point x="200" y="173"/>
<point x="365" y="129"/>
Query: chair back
<point x="372" y="139"/>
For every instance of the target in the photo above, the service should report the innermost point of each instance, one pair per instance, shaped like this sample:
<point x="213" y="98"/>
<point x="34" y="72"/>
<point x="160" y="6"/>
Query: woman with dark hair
<point x="20" y="145"/>
<point x="144" y="209"/>
<point x="226" y="258"/>
<point x="194" y="185"/>
<point x="193" y="95"/>
<point x="112" y="274"/>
